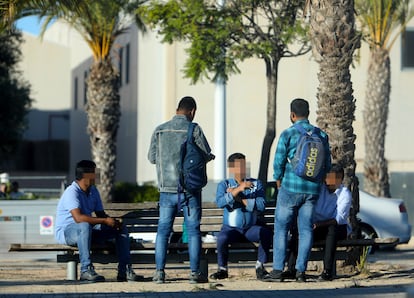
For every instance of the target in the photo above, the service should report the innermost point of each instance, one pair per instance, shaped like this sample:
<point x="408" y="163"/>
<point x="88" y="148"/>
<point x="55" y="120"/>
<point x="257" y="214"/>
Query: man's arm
<point x="324" y="223"/>
<point x="152" y="149"/>
<point x="201" y="141"/>
<point x="343" y="206"/>
<point x="280" y="159"/>
<point x="79" y="217"/>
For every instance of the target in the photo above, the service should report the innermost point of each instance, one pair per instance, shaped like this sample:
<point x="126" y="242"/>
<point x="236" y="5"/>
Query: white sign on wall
<point x="46" y="225"/>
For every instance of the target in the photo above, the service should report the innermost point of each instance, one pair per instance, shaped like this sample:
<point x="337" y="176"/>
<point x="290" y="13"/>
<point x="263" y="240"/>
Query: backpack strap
<point x="303" y="130"/>
<point x="190" y="139"/>
<point x="190" y="132"/>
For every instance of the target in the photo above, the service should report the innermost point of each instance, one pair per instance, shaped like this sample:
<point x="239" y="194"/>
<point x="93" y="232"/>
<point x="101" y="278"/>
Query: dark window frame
<point x="85" y="87"/>
<point x="407" y="43"/>
<point x="75" y="93"/>
<point x="127" y="62"/>
<point x="120" y="64"/>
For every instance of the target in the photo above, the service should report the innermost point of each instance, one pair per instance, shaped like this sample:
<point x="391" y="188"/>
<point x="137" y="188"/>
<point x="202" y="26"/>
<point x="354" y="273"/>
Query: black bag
<point x="192" y="165"/>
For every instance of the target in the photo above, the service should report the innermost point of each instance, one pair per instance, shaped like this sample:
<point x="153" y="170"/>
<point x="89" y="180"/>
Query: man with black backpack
<point x="301" y="162"/>
<point x="165" y="153"/>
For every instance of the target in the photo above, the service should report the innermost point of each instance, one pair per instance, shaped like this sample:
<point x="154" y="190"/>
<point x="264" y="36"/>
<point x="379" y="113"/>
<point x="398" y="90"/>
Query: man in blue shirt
<point x="76" y="226"/>
<point x="331" y="217"/>
<point x="242" y="199"/>
<point x="296" y="196"/>
<point x="330" y="221"/>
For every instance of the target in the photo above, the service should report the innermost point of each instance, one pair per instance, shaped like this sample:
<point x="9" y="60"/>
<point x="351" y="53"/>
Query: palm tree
<point x="334" y="40"/>
<point x="99" y="23"/>
<point x="12" y="10"/>
<point x="382" y="21"/>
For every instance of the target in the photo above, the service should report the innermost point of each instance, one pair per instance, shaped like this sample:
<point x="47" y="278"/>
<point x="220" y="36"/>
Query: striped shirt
<point x="285" y="150"/>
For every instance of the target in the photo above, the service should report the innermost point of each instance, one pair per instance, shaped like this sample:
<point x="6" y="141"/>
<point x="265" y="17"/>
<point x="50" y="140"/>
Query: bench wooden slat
<point x="136" y="245"/>
<point x="40" y="247"/>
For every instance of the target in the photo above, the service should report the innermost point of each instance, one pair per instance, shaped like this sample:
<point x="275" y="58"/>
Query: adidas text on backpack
<point x="192" y="166"/>
<point x="309" y="160"/>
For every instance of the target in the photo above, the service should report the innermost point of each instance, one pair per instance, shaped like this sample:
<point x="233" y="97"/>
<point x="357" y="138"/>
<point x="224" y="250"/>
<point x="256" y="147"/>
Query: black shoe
<point x="289" y="274"/>
<point x="221" y="274"/>
<point x="129" y="275"/>
<point x="261" y="273"/>
<point x="273" y="276"/>
<point x="300" y="277"/>
<point x="197" y="278"/>
<point x="325" y="276"/>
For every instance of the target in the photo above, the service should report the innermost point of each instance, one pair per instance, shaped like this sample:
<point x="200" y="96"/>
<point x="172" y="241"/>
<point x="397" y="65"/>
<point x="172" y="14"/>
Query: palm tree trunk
<point x="272" y="66"/>
<point x="334" y="41"/>
<point x="103" y="110"/>
<point x="376" y="179"/>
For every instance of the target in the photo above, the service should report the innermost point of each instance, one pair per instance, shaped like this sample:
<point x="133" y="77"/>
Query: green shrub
<point x="127" y="192"/>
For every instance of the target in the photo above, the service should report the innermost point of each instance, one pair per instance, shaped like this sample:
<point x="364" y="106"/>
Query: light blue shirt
<point x="334" y="205"/>
<point x="236" y="214"/>
<point x="74" y="197"/>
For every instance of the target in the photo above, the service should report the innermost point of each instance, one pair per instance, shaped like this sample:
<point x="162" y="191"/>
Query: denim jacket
<point x="236" y="214"/>
<point x="165" y="147"/>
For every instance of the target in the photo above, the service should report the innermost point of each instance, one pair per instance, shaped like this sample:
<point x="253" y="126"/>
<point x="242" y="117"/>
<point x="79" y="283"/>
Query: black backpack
<point x="192" y="165"/>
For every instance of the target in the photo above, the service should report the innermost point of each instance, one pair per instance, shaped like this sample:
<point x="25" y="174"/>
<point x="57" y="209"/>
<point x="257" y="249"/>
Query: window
<point x="75" y="93"/>
<point x="407" y="44"/>
<point x="121" y="56"/>
<point x="127" y="64"/>
<point x="85" y="87"/>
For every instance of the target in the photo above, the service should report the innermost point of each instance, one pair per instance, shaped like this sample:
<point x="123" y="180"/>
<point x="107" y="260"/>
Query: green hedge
<point x="127" y="192"/>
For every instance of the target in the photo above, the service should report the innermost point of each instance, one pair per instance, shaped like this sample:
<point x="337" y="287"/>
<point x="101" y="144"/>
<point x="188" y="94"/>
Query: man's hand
<point x="109" y="221"/>
<point x="246" y="185"/>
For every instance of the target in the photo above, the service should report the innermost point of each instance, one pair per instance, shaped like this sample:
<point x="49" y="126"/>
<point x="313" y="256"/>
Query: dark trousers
<point x="331" y="234"/>
<point x="256" y="233"/>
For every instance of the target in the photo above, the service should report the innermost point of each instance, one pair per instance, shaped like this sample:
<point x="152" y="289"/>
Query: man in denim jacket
<point x="241" y="198"/>
<point x="164" y="151"/>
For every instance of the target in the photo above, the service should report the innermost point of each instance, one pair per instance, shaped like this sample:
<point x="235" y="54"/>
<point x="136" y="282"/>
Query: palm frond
<point x="382" y="21"/>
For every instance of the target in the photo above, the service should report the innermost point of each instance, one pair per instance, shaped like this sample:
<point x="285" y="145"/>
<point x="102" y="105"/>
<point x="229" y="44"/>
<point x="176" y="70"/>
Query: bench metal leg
<point x="204" y="266"/>
<point x="72" y="270"/>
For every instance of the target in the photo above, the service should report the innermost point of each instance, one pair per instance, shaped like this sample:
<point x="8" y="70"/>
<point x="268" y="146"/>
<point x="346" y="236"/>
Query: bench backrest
<point x="146" y="220"/>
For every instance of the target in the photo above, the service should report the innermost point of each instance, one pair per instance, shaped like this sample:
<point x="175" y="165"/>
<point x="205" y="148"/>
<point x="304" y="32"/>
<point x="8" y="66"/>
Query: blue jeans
<point x="83" y="234"/>
<point x="256" y="233"/>
<point x="191" y="205"/>
<point x="290" y="207"/>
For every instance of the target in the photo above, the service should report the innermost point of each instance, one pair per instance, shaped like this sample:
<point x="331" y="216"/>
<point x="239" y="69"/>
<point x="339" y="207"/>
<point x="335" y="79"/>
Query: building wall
<point x="157" y="84"/>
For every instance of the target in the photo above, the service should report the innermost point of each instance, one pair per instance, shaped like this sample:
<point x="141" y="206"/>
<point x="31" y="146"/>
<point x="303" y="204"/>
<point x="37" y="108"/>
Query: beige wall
<point x="47" y="68"/>
<point x="157" y="75"/>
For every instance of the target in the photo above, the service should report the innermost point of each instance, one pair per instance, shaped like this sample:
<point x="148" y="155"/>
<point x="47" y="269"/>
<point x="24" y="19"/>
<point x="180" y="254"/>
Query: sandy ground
<point x="46" y="276"/>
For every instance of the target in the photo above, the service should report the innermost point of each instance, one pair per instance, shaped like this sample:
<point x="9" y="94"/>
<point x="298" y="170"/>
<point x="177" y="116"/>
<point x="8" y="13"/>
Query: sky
<point x="29" y="24"/>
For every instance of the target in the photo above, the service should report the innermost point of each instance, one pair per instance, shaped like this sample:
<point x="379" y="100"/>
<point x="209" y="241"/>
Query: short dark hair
<point x="187" y="103"/>
<point x="84" y="166"/>
<point x="235" y="156"/>
<point x="300" y="107"/>
<point x="337" y="169"/>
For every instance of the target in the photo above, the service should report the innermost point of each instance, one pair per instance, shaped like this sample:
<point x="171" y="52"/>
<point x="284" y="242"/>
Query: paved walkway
<point x="393" y="277"/>
<point x="383" y="292"/>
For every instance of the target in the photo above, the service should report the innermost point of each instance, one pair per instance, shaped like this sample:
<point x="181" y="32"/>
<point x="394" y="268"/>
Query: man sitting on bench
<point x="330" y="222"/>
<point x="241" y="200"/>
<point x="75" y="225"/>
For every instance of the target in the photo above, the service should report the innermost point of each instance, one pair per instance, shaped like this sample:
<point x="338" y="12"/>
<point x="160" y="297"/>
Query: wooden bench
<point x="144" y="218"/>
